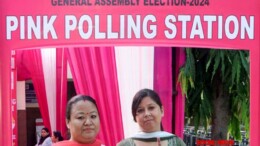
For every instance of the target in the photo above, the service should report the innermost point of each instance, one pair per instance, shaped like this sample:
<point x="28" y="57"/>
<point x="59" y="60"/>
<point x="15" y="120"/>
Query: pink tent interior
<point x="32" y="24"/>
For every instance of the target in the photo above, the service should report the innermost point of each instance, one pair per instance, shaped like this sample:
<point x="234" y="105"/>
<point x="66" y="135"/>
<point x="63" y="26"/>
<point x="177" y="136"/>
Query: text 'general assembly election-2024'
<point x="128" y="2"/>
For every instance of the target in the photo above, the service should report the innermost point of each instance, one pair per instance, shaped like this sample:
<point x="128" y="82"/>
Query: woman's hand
<point x="159" y="141"/>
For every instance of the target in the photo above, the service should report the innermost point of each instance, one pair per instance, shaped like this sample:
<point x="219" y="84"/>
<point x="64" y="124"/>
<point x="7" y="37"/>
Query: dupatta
<point x="153" y="136"/>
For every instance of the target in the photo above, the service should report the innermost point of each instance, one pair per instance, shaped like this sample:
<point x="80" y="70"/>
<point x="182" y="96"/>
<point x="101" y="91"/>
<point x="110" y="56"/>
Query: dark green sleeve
<point x="180" y="142"/>
<point x="176" y="141"/>
<point x="126" y="142"/>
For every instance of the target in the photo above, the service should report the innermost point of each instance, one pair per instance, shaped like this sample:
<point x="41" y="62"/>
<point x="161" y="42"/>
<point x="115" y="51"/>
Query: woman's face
<point x="149" y="115"/>
<point x="54" y="139"/>
<point x="44" y="133"/>
<point x="84" y="122"/>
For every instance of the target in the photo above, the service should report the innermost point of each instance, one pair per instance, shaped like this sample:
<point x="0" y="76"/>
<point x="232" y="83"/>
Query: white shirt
<point x="46" y="142"/>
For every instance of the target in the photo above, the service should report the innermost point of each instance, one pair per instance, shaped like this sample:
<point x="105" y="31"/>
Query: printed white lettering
<point x="89" y="26"/>
<point x="31" y="27"/>
<point x="210" y="20"/>
<point x="153" y="28"/>
<point x="169" y="23"/>
<point x="132" y="27"/>
<point x="197" y="28"/>
<point x="184" y="19"/>
<point x="228" y="28"/>
<point x="70" y="24"/>
<point x="12" y="25"/>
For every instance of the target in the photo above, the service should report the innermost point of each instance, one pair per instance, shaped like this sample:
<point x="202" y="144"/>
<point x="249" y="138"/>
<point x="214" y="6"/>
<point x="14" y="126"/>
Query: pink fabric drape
<point x="61" y="90"/>
<point x="163" y="85"/>
<point x="31" y="61"/>
<point x="179" y="99"/>
<point x="94" y="73"/>
<point x="23" y="73"/>
<point x="163" y="82"/>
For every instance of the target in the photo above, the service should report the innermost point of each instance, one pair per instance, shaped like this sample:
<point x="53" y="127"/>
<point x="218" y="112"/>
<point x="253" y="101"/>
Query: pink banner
<point x="31" y="23"/>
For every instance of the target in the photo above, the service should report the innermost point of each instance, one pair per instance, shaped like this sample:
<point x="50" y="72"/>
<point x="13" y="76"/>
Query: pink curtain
<point x="23" y="73"/>
<point x="163" y="82"/>
<point x="30" y="63"/>
<point x="94" y="73"/>
<point x="179" y="99"/>
<point x="61" y="90"/>
<point x="163" y="85"/>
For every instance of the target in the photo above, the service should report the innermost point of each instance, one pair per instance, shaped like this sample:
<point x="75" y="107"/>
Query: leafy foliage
<point x="200" y="77"/>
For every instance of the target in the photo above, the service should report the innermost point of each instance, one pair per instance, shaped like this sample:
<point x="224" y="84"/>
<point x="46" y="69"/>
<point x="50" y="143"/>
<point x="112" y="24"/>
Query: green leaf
<point x="223" y="65"/>
<point x="235" y="64"/>
<point x="216" y="65"/>
<point x="235" y="128"/>
<point x="245" y="64"/>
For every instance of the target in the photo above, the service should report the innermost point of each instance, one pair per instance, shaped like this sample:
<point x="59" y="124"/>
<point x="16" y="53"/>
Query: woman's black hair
<point x="43" y="138"/>
<point x="76" y="99"/>
<point x="57" y="134"/>
<point x="140" y="95"/>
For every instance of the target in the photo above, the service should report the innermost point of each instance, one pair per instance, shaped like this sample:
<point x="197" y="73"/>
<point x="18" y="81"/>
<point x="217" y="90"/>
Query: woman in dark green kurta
<point x="147" y="111"/>
<point x="156" y="138"/>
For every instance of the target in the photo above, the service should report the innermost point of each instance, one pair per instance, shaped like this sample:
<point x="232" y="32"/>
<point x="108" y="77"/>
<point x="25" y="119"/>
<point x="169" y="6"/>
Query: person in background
<point x="56" y="136"/>
<point x="45" y="139"/>
<point x="82" y="119"/>
<point x="147" y="111"/>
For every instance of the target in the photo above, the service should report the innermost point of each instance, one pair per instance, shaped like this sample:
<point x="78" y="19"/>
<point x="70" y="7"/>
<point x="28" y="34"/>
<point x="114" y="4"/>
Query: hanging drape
<point x="56" y="86"/>
<point x="94" y="73"/>
<point x="31" y="62"/>
<point x="135" y="71"/>
<point x="49" y="71"/>
<point x="179" y="99"/>
<point x="23" y="73"/>
<point x="163" y="82"/>
<point x="61" y="90"/>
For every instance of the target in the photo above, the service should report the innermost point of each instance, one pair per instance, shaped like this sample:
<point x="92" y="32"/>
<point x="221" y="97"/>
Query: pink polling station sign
<point x="232" y="24"/>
